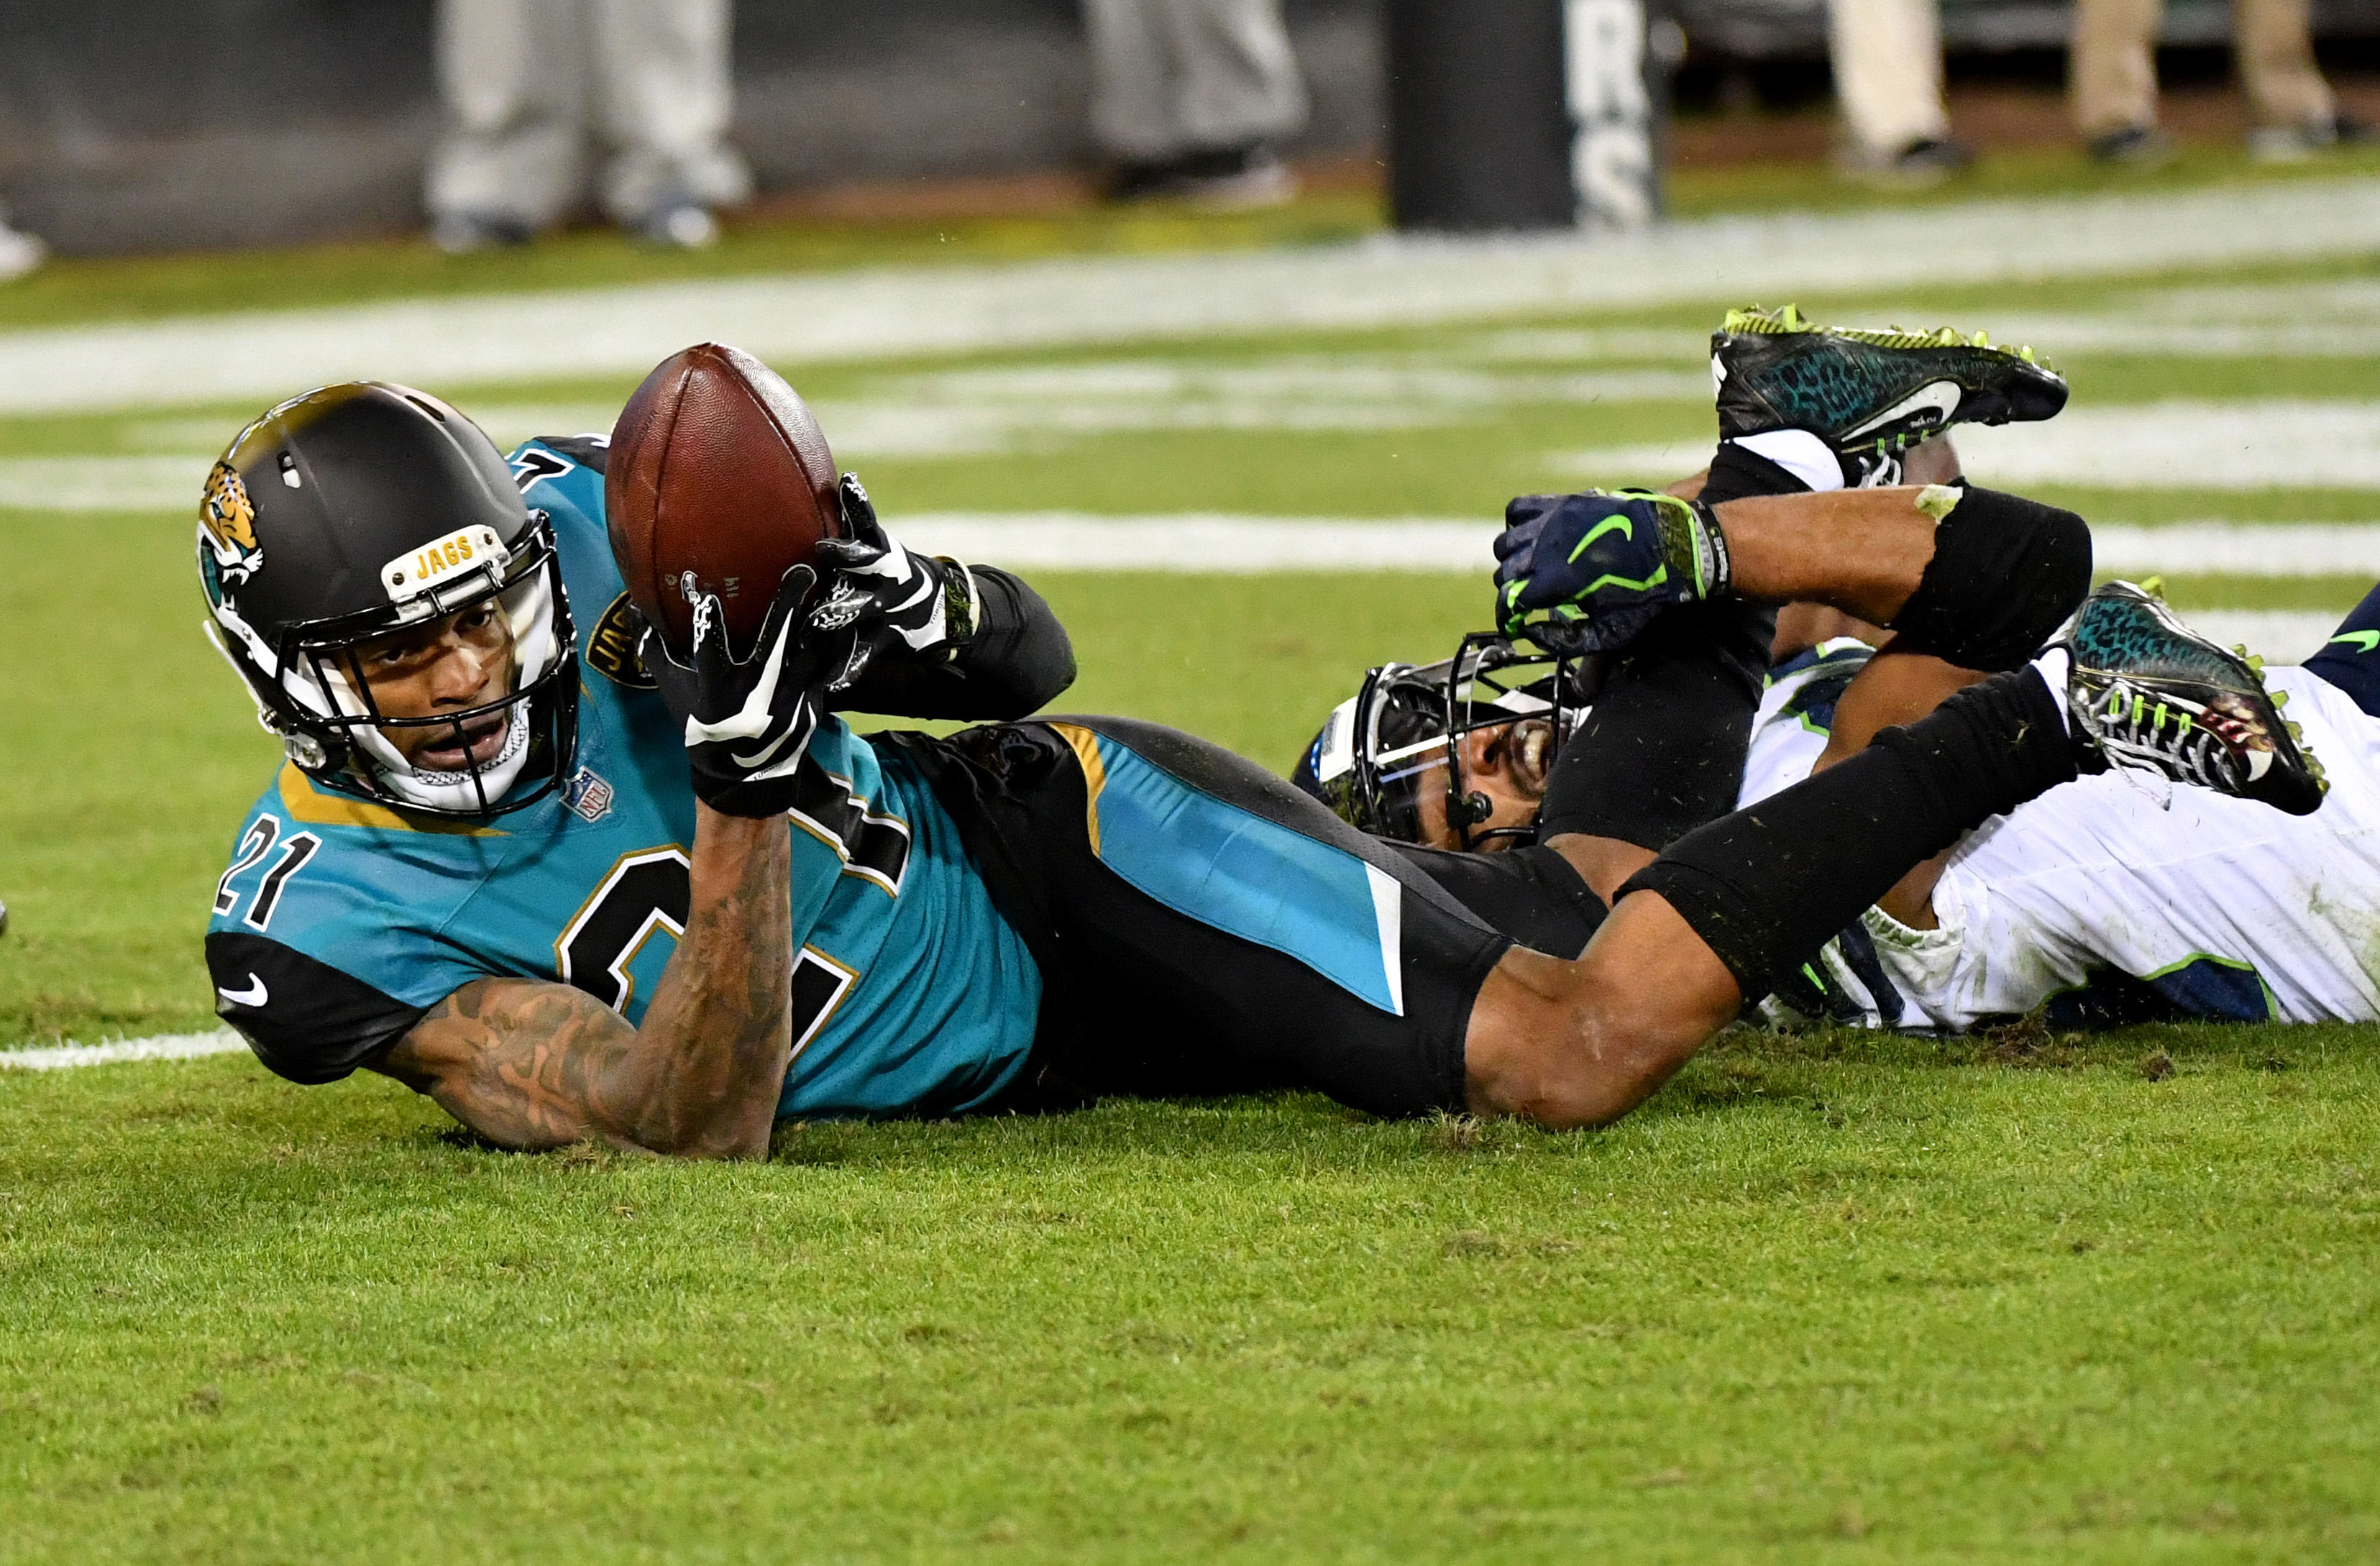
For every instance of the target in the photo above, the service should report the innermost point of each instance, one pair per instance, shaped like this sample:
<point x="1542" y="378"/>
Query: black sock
<point x="1767" y="886"/>
<point x="2006" y="573"/>
<point x="1662" y="749"/>
<point x="1737" y="471"/>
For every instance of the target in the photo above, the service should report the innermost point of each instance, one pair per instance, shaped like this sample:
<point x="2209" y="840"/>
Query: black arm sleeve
<point x="306" y="1020"/>
<point x="1018" y="660"/>
<point x="1662" y="749"/>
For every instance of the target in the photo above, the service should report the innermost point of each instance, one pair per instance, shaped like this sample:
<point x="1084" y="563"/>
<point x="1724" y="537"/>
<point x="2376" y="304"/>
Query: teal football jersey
<point x="339" y="922"/>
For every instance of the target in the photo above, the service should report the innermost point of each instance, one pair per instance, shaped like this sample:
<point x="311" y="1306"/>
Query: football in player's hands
<point x="746" y="721"/>
<point x="718" y="478"/>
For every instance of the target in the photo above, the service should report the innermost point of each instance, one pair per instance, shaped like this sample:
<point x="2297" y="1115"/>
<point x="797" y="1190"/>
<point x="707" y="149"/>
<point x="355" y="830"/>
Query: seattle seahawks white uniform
<point x="2122" y="897"/>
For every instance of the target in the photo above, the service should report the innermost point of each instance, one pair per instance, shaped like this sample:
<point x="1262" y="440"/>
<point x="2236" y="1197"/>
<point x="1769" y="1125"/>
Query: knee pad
<point x="2006" y="573"/>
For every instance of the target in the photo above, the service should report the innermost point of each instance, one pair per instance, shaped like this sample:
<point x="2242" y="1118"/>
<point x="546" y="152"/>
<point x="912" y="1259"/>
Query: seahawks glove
<point x="1588" y="573"/>
<point x="1845" y="985"/>
<point x="747" y="721"/>
<point x="892" y="602"/>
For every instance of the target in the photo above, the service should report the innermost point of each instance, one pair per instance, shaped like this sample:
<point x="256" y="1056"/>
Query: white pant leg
<point x="2111" y="66"/>
<point x="1239" y="81"/>
<point x="1888" y="60"/>
<point x="1170" y="77"/>
<point x="663" y="95"/>
<point x="514" y="77"/>
<point x="1133" y="114"/>
<point x="2275" y="43"/>
<point x="2148" y="879"/>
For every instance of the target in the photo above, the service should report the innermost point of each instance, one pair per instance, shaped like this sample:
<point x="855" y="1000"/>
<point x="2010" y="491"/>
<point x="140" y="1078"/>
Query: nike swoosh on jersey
<point x="255" y="995"/>
<point x="1941" y="396"/>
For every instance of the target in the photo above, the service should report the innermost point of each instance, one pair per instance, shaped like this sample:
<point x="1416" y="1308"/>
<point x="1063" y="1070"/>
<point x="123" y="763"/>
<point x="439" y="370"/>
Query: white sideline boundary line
<point x="2282" y="636"/>
<point x="162" y="1047"/>
<point x="1207" y="543"/>
<point x="1236" y="544"/>
<point x="890" y="312"/>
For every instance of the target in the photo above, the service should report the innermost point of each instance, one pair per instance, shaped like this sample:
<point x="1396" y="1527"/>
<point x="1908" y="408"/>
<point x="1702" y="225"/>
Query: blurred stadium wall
<point x="133" y="124"/>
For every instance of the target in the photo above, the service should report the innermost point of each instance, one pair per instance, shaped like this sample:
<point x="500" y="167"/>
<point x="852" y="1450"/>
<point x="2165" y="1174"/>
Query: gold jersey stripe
<point x="1095" y="772"/>
<point x="319" y="807"/>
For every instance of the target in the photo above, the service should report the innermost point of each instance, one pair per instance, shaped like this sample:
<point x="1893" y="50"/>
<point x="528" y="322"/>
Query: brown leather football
<point x="718" y="468"/>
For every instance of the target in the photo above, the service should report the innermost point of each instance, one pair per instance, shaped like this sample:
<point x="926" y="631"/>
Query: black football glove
<point x="746" y="723"/>
<point x="882" y="601"/>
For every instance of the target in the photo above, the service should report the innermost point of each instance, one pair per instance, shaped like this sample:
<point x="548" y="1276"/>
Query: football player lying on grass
<point x="2114" y="899"/>
<point x="491" y="819"/>
<point x="2111" y="900"/>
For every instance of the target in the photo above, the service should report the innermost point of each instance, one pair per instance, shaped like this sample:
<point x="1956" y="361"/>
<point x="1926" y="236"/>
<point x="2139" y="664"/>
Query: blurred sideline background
<point x="151" y="125"/>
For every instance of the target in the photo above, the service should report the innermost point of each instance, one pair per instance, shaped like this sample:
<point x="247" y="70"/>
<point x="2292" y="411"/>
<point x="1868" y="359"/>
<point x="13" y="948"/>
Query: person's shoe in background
<point x="469" y="232"/>
<point x="2296" y="143"/>
<point x="2131" y="146"/>
<point x="19" y="252"/>
<point x="679" y="224"/>
<point x="1216" y="179"/>
<point x="1929" y="160"/>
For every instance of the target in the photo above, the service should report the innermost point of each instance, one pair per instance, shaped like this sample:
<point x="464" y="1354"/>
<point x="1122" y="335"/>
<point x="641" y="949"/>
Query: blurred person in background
<point x="540" y="90"/>
<point x="1190" y="99"/>
<point x="1888" y="63"/>
<point x="2112" y="80"/>
<point x="19" y="253"/>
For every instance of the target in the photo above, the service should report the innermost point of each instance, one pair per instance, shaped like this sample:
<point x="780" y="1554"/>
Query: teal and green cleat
<point x="2145" y="691"/>
<point x="1869" y="395"/>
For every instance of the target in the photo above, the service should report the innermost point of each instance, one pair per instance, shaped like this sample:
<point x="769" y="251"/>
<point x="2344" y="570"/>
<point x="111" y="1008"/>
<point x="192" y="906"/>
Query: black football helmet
<point x="362" y="509"/>
<point x="1400" y="733"/>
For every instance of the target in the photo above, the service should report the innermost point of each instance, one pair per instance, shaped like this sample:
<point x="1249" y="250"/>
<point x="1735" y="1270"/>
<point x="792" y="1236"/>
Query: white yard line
<point x="1202" y="541"/>
<point x="163" y="1047"/>
<point x="2283" y="635"/>
<point x="1239" y="544"/>
<point x="1236" y="544"/>
<point x="2263" y="443"/>
<point x="2229" y="549"/>
<point x="890" y="312"/>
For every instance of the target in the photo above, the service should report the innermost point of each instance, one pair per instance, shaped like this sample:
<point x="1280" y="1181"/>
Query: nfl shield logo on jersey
<point x="587" y="797"/>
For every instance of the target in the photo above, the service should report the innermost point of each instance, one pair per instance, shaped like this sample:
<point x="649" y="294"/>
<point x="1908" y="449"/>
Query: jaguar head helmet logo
<point x="227" y="527"/>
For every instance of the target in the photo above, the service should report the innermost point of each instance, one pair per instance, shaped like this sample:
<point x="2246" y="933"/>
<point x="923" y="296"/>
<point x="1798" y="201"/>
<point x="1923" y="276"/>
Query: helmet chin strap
<point x="450" y="791"/>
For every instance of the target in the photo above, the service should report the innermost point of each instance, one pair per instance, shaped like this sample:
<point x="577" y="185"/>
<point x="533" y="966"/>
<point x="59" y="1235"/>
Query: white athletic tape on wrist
<point x="1800" y="454"/>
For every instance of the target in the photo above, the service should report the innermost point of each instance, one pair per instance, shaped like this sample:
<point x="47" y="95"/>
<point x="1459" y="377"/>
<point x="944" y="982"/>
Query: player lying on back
<point x="2115" y="898"/>
<point x="504" y="869"/>
<point x="2111" y="900"/>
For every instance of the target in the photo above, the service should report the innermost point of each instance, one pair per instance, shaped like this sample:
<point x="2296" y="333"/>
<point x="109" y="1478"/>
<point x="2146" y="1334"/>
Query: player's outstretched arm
<point x="930" y="637"/>
<point x="1017" y="659"/>
<point x="1975" y="577"/>
<point x="532" y="1066"/>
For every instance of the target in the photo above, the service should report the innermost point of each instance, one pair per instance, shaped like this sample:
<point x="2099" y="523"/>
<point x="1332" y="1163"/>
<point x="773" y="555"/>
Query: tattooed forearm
<point x="532" y="1066"/>
<point x="724" y="1000"/>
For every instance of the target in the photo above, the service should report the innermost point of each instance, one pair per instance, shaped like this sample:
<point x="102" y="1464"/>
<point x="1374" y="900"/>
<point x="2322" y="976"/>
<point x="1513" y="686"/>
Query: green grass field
<point x="2113" y="1298"/>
